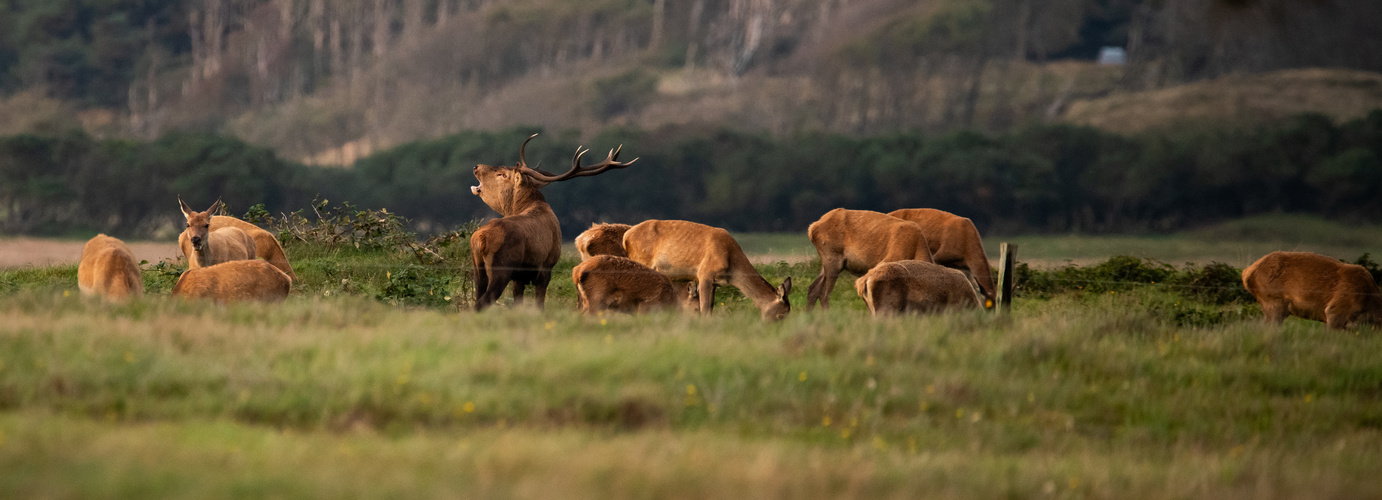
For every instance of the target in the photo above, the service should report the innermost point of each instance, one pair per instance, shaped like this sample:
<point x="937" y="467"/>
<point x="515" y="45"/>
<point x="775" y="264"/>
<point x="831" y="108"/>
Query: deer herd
<point x="911" y="260"/>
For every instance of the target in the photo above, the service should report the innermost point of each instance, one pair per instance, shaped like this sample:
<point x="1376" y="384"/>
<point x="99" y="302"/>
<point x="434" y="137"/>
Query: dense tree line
<point x="1044" y="179"/>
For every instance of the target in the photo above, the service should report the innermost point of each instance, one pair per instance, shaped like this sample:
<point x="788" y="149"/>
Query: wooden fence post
<point x="1007" y="255"/>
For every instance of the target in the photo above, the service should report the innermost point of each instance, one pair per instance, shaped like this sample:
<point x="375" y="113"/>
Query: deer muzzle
<point x="475" y="190"/>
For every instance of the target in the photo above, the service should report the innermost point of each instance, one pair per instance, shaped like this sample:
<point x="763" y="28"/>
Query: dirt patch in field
<point x="22" y="252"/>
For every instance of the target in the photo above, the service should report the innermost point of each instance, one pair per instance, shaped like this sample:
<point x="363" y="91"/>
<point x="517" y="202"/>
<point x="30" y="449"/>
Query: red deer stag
<point x="620" y="284"/>
<point x="857" y="240"/>
<point x="602" y="239"/>
<point x="954" y="243"/>
<point x="524" y="244"/>
<point x="687" y="251"/>
<point x="108" y="269"/>
<point x="205" y="247"/>
<point x="235" y="280"/>
<point x="1314" y="287"/>
<point x="915" y="286"/>
<point x="266" y="246"/>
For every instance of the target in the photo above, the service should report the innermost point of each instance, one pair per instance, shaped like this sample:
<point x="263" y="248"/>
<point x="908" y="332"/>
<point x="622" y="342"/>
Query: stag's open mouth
<point x="475" y="190"/>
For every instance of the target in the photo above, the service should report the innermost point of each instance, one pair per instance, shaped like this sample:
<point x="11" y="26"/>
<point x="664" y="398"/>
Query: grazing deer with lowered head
<point x="687" y="251"/>
<point x="524" y="244"/>
<point x="857" y="240"/>
<point x="954" y="243"/>
<point x="621" y="284"/>
<point x="233" y="281"/>
<point x="108" y="269"/>
<point x="1315" y="287"/>
<point x="915" y="286"/>
<point x="206" y="247"/>
<point x="266" y="246"/>
<point x="602" y="239"/>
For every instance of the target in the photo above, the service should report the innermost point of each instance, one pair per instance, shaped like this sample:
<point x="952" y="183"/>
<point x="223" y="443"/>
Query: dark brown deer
<point x="955" y="243"/>
<point x="857" y="240"/>
<point x="524" y="244"/>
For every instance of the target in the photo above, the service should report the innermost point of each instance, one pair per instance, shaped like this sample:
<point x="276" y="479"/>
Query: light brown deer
<point x="914" y="286"/>
<point x="857" y="240"/>
<point x="266" y="246"/>
<point x="205" y="247"/>
<point x="1314" y="287"/>
<point x="602" y="239"/>
<point x="524" y="244"/>
<point x="621" y="284"/>
<point x="954" y="243"/>
<point x="236" y="280"/>
<point x="108" y="269"/>
<point x="708" y="256"/>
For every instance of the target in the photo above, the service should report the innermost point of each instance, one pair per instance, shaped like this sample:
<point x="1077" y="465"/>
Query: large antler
<point x="576" y="169"/>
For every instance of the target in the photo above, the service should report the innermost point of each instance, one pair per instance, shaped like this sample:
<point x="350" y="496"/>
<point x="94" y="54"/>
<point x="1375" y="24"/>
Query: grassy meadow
<point x="375" y="380"/>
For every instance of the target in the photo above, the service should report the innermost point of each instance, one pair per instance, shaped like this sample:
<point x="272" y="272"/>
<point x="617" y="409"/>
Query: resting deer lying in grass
<point x="915" y="286"/>
<point x="205" y="247"/>
<point x="602" y="239"/>
<point x="857" y="240"/>
<point x="620" y="284"/>
<point x="108" y="269"/>
<point x="954" y="243"/>
<point x="236" y="280"/>
<point x="687" y="251"/>
<point x="524" y="244"/>
<point x="266" y="246"/>
<point x="1315" y="287"/>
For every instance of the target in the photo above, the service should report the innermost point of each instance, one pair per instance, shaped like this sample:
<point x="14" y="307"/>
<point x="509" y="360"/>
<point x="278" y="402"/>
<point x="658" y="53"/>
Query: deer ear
<point x="186" y="210"/>
<point x="785" y="288"/>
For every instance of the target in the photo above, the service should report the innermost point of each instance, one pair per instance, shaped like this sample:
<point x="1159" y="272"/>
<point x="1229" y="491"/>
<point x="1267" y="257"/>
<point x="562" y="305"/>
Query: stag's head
<point x="198" y="224"/>
<point x="778" y="310"/>
<point x="508" y="189"/>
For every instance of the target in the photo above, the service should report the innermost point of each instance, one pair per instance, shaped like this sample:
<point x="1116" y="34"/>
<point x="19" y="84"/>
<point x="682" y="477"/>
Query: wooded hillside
<point x="332" y="79"/>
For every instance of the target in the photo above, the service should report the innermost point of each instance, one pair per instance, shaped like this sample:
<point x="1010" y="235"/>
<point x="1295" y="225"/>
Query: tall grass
<point x="1122" y="380"/>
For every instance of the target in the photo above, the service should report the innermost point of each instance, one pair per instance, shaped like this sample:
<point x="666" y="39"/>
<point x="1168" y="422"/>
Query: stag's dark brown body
<point x="522" y="246"/>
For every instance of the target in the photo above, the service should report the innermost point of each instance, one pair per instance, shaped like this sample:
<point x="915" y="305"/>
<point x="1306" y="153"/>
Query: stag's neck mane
<point x="528" y="200"/>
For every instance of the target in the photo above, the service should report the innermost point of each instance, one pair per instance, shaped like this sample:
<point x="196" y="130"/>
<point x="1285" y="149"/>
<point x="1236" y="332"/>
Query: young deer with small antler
<point x="524" y="244"/>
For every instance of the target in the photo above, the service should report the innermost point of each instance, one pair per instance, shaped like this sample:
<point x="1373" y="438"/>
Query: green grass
<point x="357" y="386"/>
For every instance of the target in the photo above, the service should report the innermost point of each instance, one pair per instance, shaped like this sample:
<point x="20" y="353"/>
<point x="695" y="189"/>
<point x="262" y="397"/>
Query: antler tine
<point x="522" y="161"/>
<point x="577" y="170"/>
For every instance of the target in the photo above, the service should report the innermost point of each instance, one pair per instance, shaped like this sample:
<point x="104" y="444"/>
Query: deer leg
<point x="518" y="289"/>
<point x="481" y="283"/>
<point x="706" y="288"/>
<point x="825" y="282"/>
<point x="1274" y="312"/>
<point x="540" y="282"/>
<point x="1338" y="316"/>
<point x="498" y="280"/>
